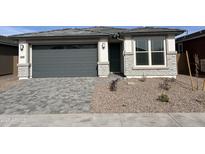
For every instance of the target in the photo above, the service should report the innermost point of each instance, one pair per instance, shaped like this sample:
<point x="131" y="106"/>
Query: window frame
<point x="147" y="51"/>
<point x="150" y="52"/>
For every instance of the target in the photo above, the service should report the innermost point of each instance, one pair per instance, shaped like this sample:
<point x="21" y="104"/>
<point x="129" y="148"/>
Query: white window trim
<point x="150" y="53"/>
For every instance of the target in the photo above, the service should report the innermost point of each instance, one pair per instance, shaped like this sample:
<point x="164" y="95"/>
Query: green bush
<point x="163" y="98"/>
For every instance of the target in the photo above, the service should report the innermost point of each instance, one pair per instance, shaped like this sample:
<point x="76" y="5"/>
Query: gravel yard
<point x="135" y="95"/>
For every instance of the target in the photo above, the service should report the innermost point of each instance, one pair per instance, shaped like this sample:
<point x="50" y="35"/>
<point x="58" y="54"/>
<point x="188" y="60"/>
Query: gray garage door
<point x="78" y="60"/>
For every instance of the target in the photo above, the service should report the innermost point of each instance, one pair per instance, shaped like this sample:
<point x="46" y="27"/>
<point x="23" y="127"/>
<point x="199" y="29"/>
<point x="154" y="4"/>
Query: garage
<point x="73" y="60"/>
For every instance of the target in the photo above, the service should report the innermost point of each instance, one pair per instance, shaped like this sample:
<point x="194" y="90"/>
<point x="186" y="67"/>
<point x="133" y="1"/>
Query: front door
<point x="114" y="57"/>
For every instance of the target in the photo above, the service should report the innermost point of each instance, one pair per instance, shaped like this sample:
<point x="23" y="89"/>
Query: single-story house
<point x="8" y="56"/>
<point x="98" y="51"/>
<point x="194" y="44"/>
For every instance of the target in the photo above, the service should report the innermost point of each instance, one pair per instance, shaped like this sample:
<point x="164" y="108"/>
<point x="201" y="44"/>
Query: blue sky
<point x="11" y="30"/>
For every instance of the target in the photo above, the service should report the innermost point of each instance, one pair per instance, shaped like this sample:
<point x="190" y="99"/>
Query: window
<point x="142" y="52"/>
<point x="150" y="51"/>
<point x="157" y="51"/>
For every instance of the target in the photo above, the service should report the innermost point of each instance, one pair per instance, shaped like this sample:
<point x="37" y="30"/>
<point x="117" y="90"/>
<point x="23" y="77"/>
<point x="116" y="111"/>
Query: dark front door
<point x="114" y="57"/>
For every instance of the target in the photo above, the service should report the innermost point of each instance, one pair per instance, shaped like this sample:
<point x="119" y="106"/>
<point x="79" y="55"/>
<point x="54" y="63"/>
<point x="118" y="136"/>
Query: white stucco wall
<point x="23" y="54"/>
<point x="171" y="43"/>
<point x="103" y="52"/>
<point x="128" y="45"/>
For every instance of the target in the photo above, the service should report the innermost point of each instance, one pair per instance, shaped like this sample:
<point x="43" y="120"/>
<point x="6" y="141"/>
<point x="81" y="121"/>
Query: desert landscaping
<point x="142" y="95"/>
<point x="146" y="95"/>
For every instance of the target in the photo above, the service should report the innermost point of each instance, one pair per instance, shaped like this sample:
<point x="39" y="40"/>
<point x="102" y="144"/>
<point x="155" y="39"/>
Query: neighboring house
<point x="8" y="56"/>
<point x="194" y="44"/>
<point x="98" y="51"/>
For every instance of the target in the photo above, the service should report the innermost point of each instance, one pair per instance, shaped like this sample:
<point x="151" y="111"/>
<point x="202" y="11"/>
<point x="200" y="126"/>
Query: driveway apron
<point x="48" y="95"/>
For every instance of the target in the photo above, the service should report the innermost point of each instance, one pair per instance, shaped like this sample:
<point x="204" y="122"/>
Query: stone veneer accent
<point x="23" y="71"/>
<point x="131" y="71"/>
<point x="103" y="69"/>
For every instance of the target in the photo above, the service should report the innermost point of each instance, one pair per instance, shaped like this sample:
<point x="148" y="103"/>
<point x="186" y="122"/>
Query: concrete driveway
<point x="48" y="95"/>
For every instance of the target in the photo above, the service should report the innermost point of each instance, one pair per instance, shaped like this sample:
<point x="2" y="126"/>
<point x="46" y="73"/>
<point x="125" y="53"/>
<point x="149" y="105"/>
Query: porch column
<point x="128" y="53"/>
<point x="171" y="55"/>
<point x="23" y="65"/>
<point x="103" y="61"/>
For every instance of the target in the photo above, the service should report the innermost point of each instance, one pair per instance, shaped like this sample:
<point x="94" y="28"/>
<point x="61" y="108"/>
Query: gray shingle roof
<point x="7" y="41"/>
<point x="106" y="30"/>
<point x="192" y="36"/>
<point x="96" y="31"/>
<point x="155" y="30"/>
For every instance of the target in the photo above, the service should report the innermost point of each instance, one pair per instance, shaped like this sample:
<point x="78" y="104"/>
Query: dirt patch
<point x="7" y="82"/>
<point x="133" y="95"/>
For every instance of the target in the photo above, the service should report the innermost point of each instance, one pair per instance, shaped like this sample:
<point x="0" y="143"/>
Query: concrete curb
<point x="105" y="120"/>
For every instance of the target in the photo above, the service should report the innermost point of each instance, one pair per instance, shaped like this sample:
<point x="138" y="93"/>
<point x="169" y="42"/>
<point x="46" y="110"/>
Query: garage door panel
<point x="64" y="62"/>
<point x="67" y="59"/>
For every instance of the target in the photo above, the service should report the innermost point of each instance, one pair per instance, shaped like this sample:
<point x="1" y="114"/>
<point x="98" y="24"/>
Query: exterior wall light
<point x="103" y="46"/>
<point x="21" y="47"/>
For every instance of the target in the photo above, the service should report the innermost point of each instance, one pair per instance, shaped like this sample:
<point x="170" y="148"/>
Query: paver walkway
<point x="48" y="95"/>
<point x="106" y="120"/>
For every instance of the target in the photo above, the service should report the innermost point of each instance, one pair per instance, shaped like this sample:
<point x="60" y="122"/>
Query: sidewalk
<point x="105" y="120"/>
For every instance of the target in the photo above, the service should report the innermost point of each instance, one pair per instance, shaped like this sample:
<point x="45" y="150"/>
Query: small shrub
<point x="163" y="98"/>
<point x="165" y="85"/>
<point x="113" y="85"/>
<point x="172" y="80"/>
<point x="123" y="105"/>
<point x="201" y="98"/>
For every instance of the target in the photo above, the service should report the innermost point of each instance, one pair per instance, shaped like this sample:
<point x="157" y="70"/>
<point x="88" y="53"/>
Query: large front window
<point x="150" y="51"/>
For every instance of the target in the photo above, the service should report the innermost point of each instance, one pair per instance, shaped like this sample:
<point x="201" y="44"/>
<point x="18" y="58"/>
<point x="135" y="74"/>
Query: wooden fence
<point x="182" y="64"/>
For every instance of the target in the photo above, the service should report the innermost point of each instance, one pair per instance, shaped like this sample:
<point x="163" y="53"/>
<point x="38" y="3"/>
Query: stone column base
<point x="23" y="71"/>
<point x="103" y="69"/>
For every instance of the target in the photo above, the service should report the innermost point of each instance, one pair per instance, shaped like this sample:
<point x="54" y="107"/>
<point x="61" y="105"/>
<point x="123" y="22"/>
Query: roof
<point x="155" y="30"/>
<point x="192" y="36"/>
<point x="96" y="31"/>
<point x="7" y="41"/>
<point x="72" y="32"/>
